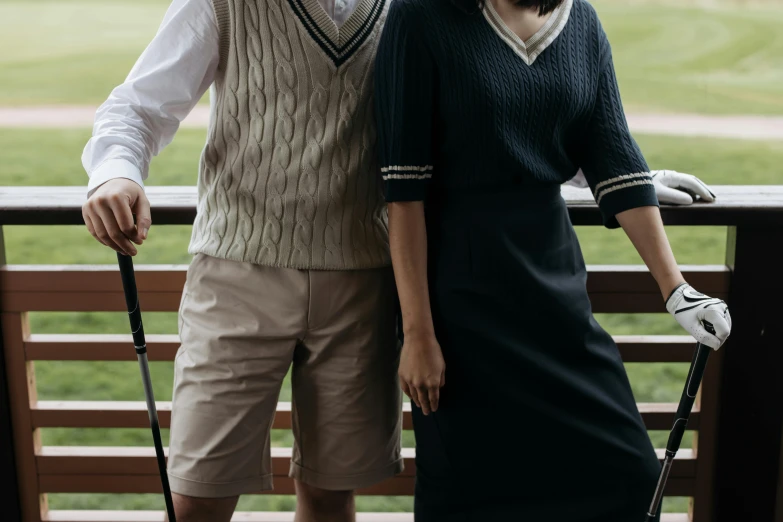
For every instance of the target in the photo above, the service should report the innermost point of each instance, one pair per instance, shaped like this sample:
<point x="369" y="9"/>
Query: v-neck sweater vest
<point x="288" y="176"/>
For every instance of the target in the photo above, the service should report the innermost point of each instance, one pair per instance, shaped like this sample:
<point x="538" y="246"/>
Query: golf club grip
<point x="695" y="375"/>
<point x="132" y="301"/>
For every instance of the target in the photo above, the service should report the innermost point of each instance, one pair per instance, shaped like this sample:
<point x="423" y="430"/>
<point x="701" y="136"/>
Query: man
<point x="291" y="261"/>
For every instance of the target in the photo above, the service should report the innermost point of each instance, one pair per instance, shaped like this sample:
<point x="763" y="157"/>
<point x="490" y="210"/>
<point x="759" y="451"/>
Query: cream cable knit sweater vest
<point x="288" y="177"/>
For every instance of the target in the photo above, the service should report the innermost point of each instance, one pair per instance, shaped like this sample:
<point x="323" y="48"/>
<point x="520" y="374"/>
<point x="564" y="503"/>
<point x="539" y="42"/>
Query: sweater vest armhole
<point x="223" y="17"/>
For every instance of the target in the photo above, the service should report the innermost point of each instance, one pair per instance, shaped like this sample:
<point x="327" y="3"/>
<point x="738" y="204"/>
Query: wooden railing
<point x="732" y="473"/>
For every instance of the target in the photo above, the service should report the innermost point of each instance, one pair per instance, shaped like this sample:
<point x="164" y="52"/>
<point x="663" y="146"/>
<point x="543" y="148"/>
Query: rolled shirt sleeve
<point x="612" y="162"/>
<point x="404" y="76"/>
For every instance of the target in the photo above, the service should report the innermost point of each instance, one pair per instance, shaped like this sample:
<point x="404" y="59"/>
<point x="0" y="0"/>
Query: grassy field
<point x="37" y="157"/>
<point x="724" y="58"/>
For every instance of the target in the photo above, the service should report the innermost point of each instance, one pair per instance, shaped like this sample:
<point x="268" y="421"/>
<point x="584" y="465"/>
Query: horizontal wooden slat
<point x="158" y="516"/>
<point x="396" y="486"/>
<point x="86" y="302"/>
<point x="102" y="347"/>
<point x="120" y="414"/>
<point x="613" y="289"/>
<point x="632" y="289"/>
<point x="736" y="204"/>
<point x="105" y="279"/>
<point x="246" y="516"/>
<point x="656" y="348"/>
<point x="114" y="483"/>
<point x="97" y="347"/>
<point x="636" y="279"/>
<point x="140" y="460"/>
<point x="100" y="279"/>
<point x="137" y="460"/>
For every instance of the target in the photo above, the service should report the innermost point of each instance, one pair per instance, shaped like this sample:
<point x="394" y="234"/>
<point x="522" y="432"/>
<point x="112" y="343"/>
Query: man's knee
<point x="192" y="509"/>
<point x="325" y="501"/>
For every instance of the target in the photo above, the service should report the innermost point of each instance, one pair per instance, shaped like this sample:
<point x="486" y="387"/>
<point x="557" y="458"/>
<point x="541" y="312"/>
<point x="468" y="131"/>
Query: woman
<point x="483" y="111"/>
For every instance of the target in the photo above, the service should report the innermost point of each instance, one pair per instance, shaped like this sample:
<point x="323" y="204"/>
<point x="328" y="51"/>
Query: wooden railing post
<point x="702" y="504"/>
<point x="9" y="492"/>
<point x="750" y="421"/>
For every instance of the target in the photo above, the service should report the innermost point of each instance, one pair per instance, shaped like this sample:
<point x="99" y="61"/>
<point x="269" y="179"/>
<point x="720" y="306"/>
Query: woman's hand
<point x="422" y="371"/>
<point x="676" y="188"/>
<point x="706" y="318"/>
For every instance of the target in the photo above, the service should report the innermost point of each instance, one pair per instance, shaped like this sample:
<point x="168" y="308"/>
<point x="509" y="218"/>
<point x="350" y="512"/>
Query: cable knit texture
<point x="288" y="177"/>
<point x="463" y="108"/>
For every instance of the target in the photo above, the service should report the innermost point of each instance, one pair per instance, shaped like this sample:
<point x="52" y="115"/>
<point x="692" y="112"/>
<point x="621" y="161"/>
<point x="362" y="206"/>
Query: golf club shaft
<point x="689" y="392"/>
<point x="139" y="342"/>
<point x="658" y="496"/>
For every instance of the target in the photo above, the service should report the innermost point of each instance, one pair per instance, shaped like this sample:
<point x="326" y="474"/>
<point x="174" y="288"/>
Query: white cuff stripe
<point x="406" y="176"/>
<point x="395" y="168"/>
<point x="624" y="185"/>
<point x="620" y="178"/>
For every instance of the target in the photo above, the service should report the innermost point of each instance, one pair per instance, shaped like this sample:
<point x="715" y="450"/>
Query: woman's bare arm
<point x="644" y="228"/>
<point x="422" y="369"/>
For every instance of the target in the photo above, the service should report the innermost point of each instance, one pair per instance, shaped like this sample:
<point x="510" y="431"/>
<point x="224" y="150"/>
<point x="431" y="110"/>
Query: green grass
<point x="51" y="157"/>
<point x="686" y="58"/>
<point x="675" y="57"/>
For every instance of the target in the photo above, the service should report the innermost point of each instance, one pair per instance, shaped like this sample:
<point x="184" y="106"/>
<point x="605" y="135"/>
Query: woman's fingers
<point x="414" y="395"/>
<point x="696" y="186"/>
<point x="719" y="319"/>
<point x="434" y="396"/>
<point x="672" y="196"/>
<point x="424" y="399"/>
<point x="405" y="388"/>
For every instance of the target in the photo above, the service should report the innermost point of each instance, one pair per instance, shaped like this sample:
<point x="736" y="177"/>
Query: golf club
<point x="695" y="374"/>
<point x="137" y="329"/>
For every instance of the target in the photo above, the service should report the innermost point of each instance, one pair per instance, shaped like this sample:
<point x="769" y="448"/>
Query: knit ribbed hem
<point x="274" y="263"/>
<point x="197" y="489"/>
<point x="342" y="482"/>
<point x="223" y="17"/>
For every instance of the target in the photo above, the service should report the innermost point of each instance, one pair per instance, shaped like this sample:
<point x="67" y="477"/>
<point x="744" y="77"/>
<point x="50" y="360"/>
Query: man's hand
<point x="676" y="188"/>
<point x="706" y="318"/>
<point x="422" y="371"/>
<point x="108" y="214"/>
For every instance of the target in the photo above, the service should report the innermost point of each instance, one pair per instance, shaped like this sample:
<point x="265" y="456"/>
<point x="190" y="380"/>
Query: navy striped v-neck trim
<point x="329" y="38"/>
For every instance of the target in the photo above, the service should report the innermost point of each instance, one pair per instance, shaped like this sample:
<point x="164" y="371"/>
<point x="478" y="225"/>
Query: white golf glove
<point x="676" y="188"/>
<point x="706" y="318"/>
<point x="671" y="187"/>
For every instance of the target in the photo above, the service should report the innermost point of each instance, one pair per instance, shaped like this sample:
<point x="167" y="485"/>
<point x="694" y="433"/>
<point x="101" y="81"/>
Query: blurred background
<point x="699" y="80"/>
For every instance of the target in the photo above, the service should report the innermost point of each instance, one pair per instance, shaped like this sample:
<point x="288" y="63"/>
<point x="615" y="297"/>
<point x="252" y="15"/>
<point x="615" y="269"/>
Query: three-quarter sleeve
<point x="612" y="162"/>
<point x="404" y="73"/>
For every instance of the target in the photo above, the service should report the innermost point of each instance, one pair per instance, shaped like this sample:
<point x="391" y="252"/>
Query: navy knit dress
<point x="537" y="421"/>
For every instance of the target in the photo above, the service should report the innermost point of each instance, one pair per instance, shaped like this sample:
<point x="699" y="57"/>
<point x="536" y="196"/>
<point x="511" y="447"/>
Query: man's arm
<point x="140" y="118"/>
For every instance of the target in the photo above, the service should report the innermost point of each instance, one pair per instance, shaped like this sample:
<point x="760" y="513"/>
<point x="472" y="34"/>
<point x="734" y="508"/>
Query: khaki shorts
<point x="242" y="327"/>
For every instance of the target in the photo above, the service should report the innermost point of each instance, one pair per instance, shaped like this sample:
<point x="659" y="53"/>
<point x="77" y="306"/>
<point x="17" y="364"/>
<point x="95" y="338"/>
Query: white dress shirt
<point x="141" y="116"/>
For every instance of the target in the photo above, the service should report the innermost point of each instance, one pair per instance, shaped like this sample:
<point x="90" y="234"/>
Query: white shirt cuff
<point x="111" y="169"/>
